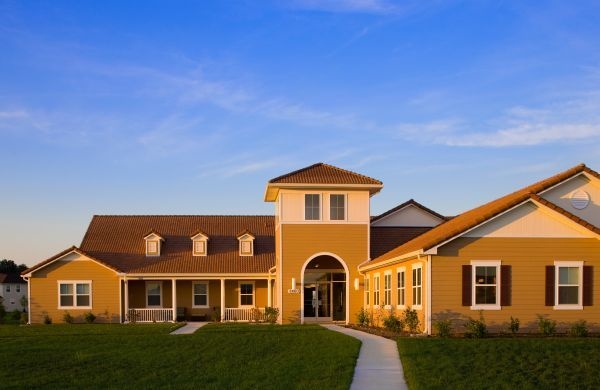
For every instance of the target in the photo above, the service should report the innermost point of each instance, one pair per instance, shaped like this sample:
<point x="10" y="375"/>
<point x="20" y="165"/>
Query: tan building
<point x="322" y="257"/>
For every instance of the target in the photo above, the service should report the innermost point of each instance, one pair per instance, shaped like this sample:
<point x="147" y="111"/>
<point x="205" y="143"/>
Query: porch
<point x="169" y="300"/>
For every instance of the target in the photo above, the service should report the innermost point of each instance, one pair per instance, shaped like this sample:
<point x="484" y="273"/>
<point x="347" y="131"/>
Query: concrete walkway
<point x="189" y="328"/>
<point x="378" y="365"/>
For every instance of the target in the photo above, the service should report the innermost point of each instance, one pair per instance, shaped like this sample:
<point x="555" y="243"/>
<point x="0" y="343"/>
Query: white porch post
<point x="126" y="300"/>
<point x="269" y="293"/>
<point x="222" y="300"/>
<point x="174" y="298"/>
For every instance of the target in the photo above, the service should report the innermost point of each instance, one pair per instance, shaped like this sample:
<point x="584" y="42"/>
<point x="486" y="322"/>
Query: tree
<point x="10" y="267"/>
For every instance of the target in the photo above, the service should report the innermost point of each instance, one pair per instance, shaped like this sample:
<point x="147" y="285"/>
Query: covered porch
<point x="162" y="299"/>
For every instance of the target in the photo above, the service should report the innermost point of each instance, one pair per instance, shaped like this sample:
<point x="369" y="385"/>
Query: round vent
<point x="580" y="199"/>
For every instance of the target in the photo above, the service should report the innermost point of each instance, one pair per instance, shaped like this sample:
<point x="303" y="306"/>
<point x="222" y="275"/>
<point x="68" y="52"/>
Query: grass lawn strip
<point x="146" y="356"/>
<point x="525" y="363"/>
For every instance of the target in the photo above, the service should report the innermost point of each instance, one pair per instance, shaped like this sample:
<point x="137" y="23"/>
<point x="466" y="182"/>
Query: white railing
<point x="244" y="314"/>
<point x="150" y="315"/>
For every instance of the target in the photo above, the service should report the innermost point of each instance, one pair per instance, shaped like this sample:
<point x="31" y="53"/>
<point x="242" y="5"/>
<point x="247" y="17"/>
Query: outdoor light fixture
<point x="356" y="284"/>
<point x="293" y="283"/>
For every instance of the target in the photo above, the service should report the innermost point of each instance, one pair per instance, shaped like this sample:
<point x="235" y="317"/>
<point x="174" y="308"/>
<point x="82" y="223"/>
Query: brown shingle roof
<point x="384" y="238"/>
<point x="476" y="216"/>
<point x="118" y="241"/>
<point x="321" y="173"/>
<point x="13" y="278"/>
<point x="63" y="253"/>
<point x="407" y="203"/>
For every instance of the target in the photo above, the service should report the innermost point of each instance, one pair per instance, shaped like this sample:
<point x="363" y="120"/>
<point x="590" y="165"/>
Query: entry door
<point x="317" y="302"/>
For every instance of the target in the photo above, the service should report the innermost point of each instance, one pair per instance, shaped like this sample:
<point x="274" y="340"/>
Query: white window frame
<point x="376" y="289"/>
<point x="570" y="264"/>
<point x="486" y="263"/>
<point x="195" y="251"/>
<point x="320" y="213"/>
<point x="367" y="292"/>
<point x="417" y="287"/>
<point x="253" y="293"/>
<point x="401" y="289"/>
<point x="152" y="252"/>
<point x="74" y="284"/>
<point x="160" y="283"/>
<point x="387" y="289"/>
<point x="207" y="284"/>
<point x="250" y="244"/>
<point x="344" y="214"/>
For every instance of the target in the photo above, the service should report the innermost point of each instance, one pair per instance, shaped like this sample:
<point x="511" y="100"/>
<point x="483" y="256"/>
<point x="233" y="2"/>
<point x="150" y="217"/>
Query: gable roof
<point x="58" y="256"/>
<point x="13" y="278"/>
<point x="321" y="174"/>
<point x="386" y="238"/>
<point x="472" y="218"/>
<point x="118" y="240"/>
<point x="410" y="202"/>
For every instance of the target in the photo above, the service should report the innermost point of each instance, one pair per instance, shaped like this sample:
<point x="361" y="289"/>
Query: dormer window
<point x="153" y="243"/>
<point x="246" y="240"/>
<point x="199" y="244"/>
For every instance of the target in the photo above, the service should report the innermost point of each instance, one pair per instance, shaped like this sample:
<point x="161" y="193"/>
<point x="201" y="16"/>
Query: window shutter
<point x="549" y="285"/>
<point x="505" y="287"/>
<point x="466" y="285"/>
<point x="588" y="285"/>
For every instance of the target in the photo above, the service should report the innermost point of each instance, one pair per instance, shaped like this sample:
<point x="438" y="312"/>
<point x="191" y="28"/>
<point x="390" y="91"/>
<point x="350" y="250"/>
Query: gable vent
<point x="580" y="199"/>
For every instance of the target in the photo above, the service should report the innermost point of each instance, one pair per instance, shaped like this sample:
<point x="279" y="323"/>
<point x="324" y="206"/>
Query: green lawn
<point x="146" y="356"/>
<point x="524" y="363"/>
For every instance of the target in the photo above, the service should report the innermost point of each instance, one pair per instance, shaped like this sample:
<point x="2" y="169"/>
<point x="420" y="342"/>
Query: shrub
<point x="443" y="328"/>
<point x="215" y="316"/>
<point x="89" y="317"/>
<point x="15" y="315"/>
<point x="362" y="317"/>
<point x="476" y="329"/>
<point x="513" y="326"/>
<point x="67" y="318"/>
<point x="271" y="314"/>
<point x="411" y="320"/>
<point x="47" y="319"/>
<point x="392" y="322"/>
<point x="255" y="314"/>
<point x="546" y="326"/>
<point x="579" y="329"/>
<point x="24" y="319"/>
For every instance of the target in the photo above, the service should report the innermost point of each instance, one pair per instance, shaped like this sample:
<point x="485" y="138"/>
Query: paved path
<point x="189" y="328"/>
<point x="378" y="365"/>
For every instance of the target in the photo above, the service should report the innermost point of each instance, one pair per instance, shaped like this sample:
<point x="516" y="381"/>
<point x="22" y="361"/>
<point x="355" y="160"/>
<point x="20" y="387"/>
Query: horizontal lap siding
<point x="528" y="258"/>
<point x="44" y="291"/>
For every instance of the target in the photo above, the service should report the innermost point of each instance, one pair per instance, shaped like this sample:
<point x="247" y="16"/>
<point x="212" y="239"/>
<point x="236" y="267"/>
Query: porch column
<point x="222" y="300"/>
<point x="269" y="293"/>
<point x="126" y="300"/>
<point x="174" y="298"/>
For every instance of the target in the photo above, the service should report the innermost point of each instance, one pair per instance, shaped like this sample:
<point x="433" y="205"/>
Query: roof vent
<point x="580" y="199"/>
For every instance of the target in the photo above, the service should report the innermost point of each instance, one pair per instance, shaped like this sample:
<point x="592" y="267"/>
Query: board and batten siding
<point x="528" y="258"/>
<point x="44" y="290"/>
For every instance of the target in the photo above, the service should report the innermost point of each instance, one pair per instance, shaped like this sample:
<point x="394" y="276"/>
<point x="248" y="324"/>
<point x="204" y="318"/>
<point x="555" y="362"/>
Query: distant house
<point x="322" y="256"/>
<point x="12" y="289"/>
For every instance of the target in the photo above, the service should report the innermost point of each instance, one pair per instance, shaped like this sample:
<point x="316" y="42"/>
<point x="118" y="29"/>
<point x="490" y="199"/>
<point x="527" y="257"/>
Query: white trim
<point x="564" y="181"/>
<point x="414" y="267"/>
<point x="368" y="267"/>
<point x="194" y="283"/>
<point x="387" y="273"/>
<point x="74" y="284"/>
<point x="403" y="305"/>
<point x="557" y="266"/>
<point x="428" y="287"/>
<point x="269" y="196"/>
<point x="320" y="217"/>
<point x="74" y="250"/>
<point x="253" y="293"/>
<point x="367" y="291"/>
<point x="151" y="253"/>
<point x="160" y="283"/>
<point x="202" y="253"/>
<point x="345" y="197"/>
<point x="486" y="263"/>
<point x="376" y="302"/>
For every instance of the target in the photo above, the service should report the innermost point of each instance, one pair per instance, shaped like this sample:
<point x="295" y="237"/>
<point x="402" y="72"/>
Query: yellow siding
<point x="44" y="290"/>
<point x="301" y="242"/>
<point x="528" y="258"/>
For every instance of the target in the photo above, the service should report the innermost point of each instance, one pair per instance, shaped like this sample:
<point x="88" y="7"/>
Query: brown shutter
<point x="550" y="285"/>
<point x="588" y="285"/>
<point x="505" y="286"/>
<point x="466" y="285"/>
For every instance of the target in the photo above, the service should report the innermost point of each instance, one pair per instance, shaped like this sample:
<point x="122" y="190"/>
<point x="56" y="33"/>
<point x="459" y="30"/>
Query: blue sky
<point x="191" y="107"/>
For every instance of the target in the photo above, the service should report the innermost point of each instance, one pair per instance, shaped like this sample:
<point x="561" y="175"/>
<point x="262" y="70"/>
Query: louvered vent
<point x="580" y="199"/>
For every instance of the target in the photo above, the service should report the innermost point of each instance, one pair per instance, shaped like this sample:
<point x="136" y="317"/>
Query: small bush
<point x="24" y="319"/>
<point x="392" y="322"/>
<point x="47" y="319"/>
<point x="513" y="326"/>
<point x="411" y="320"/>
<point x="443" y="328"/>
<point x="545" y="326"/>
<point x="579" y="329"/>
<point x="67" y="318"/>
<point x="362" y="317"/>
<point x="476" y="329"/>
<point x="89" y="317"/>
<point x="271" y="314"/>
<point x="15" y="315"/>
<point x="215" y="316"/>
<point x="255" y="314"/>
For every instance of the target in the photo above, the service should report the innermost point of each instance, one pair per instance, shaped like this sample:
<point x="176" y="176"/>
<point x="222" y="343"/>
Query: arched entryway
<point x="324" y="289"/>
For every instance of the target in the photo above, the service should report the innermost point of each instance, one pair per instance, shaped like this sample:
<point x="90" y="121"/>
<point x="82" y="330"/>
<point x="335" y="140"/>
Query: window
<point x="8" y="288"/>
<point x="376" y="290"/>
<point x="401" y="299"/>
<point x="199" y="248"/>
<point x="486" y="286"/>
<point x="152" y="247"/>
<point x="246" y="293"/>
<point x="367" y="292"/>
<point x="246" y="240"/>
<point x="337" y="207"/>
<point x="153" y="295"/>
<point x="18" y="289"/>
<point x="417" y="285"/>
<point x="246" y="247"/>
<point x="569" y="285"/>
<point x="312" y="207"/>
<point x="387" y="288"/>
<point x="74" y="294"/>
<point x="200" y="294"/>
